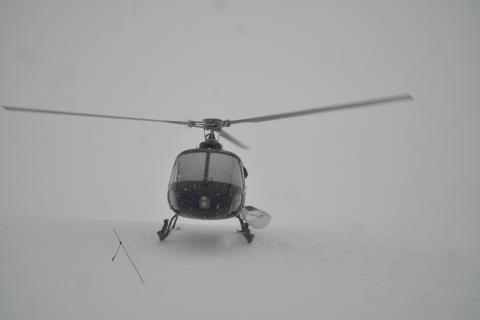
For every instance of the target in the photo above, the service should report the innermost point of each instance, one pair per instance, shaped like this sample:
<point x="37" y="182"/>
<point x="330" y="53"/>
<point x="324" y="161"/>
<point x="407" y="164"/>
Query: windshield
<point x="222" y="167"/>
<point x="191" y="166"/>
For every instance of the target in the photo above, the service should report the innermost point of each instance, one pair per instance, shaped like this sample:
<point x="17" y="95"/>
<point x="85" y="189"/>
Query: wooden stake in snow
<point x="120" y="244"/>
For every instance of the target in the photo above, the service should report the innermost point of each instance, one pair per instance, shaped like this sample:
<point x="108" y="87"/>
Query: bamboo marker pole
<point x="129" y="258"/>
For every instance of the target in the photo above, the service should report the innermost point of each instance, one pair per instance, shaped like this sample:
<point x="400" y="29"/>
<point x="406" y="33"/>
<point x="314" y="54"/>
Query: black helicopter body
<point x="209" y="183"/>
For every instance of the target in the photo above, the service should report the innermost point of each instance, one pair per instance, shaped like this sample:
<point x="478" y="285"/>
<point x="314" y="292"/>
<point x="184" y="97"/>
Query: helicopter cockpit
<point x="207" y="166"/>
<point x="207" y="183"/>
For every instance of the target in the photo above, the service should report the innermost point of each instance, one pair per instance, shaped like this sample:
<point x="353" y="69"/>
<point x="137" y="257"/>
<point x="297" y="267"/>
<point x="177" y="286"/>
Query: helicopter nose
<point x="204" y="202"/>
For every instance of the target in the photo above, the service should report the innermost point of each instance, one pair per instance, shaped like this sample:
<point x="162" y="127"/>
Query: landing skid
<point x="168" y="225"/>
<point x="245" y="230"/>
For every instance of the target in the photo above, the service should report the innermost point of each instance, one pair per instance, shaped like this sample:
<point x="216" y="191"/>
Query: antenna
<point x="120" y="244"/>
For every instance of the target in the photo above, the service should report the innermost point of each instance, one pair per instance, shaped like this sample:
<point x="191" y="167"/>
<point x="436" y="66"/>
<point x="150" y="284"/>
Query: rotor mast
<point x="212" y="125"/>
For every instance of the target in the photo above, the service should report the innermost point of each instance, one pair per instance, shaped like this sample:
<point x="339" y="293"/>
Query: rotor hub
<point x="215" y="124"/>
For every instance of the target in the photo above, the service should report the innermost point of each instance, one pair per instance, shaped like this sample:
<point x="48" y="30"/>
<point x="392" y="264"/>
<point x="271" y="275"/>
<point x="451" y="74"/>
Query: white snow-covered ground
<point x="375" y="212"/>
<point x="62" y="269"/>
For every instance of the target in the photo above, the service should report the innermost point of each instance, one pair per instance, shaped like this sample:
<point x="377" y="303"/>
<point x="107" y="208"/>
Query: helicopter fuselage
<point x="207" y="184"/>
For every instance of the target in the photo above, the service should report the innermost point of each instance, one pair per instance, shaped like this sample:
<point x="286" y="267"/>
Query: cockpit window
<point x="224" y="168"/>
<point x="191" y="167"/>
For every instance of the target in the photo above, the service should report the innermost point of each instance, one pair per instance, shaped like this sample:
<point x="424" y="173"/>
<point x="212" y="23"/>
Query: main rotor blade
<point x="67" y="113"/>
<point x="233" y="140"/>
<point x="336" y="107"/>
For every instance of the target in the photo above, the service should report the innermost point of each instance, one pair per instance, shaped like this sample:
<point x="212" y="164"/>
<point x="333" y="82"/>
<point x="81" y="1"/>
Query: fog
<point x="405" y="170"/>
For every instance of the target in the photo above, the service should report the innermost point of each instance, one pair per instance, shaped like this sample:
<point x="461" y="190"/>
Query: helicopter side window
<point x="173" y="176"/>
<point x="224" y="168"/>
<point x="190" y="167"/>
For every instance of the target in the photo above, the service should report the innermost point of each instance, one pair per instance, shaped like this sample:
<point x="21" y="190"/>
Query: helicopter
<point x="208" y="182"/>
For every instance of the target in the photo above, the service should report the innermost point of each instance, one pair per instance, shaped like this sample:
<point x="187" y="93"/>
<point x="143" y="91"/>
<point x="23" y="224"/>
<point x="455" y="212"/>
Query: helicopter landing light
<point x="204" y="202"/>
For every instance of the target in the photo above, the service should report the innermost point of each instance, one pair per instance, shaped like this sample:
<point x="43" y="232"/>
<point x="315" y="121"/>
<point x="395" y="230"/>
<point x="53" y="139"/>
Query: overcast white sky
<point x="406" y="169"/>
